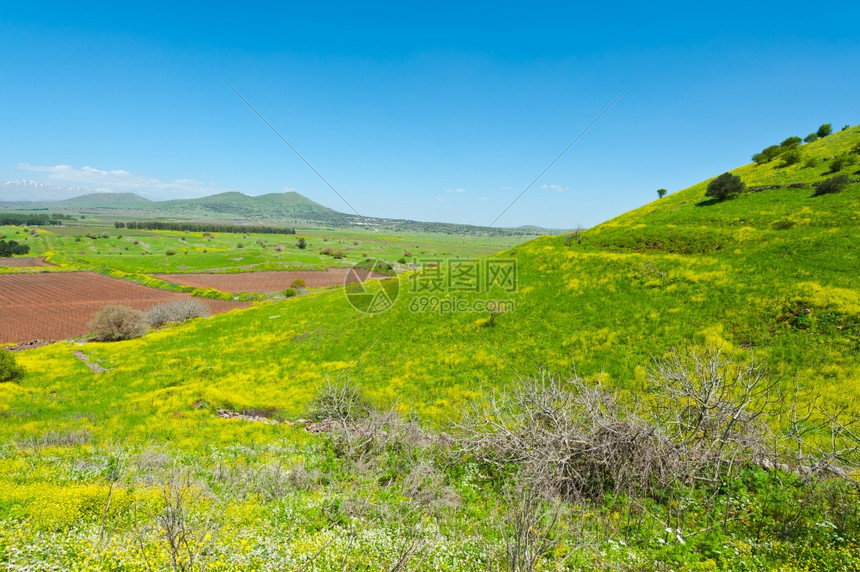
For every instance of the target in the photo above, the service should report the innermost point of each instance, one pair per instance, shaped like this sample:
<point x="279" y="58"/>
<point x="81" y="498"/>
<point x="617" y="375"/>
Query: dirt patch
<point x="30" y="345"/>
<point x="269" y="281"/>
<point x="90" y="364"/>
<point x="59" y="305"/>
<point x="23" y="262"/>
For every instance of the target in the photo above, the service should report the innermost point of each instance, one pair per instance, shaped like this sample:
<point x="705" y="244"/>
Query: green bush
<point x="290" y="293"/>
<point x="811" y="163"/>
<point x="841" y="162"/>
<point x="832" y="185"/>
<point x="114" y="323"/>
<point x="298" y="283"/>
<point x="725" y="187"/>
<point x="790" y="143"/>
<point x="767" y="154"/>
<point x="824" y="130"/>
<point x="9" y="368"/>
<point x="661" y="193"/>
<point x="791" y="157"/>
<point x="811" y="137"/>
<point x="301" y="243"/>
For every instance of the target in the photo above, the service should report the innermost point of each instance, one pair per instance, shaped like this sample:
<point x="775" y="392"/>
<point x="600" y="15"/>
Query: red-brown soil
<point x="52" y="306"/>
<point x="22" y="262"/>
<point x="270" y="281"/>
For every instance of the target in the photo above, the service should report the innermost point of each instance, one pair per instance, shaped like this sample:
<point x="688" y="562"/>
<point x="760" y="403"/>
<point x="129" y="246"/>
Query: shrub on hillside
<point x="841" y="162"/>
<point x="725" y="187"/>
<point x="791" y="157"/>
<point x="176" y="311"/>
<point x="661" y="193"/>
<point x="824" y="130"/>
<point x="810" y="163"/>
<point x="9" y="368"/>
<point x="114" y="323"/>
<point x="301" y="244"/>
<point x="811" y="137"/>
<point x="298" y="283"/>
<point x="342" y="401"/>
<point x="767" y="154"/>
<point x="832" y="185"/>
<point x="790" y="143"/>
<point x="290" y="293"/>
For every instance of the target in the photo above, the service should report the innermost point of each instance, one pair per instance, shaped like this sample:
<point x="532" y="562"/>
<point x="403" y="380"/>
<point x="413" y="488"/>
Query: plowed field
<point x="272" y="281"/>
<point x="59" y="306"/>
<point x="22" y="262"/>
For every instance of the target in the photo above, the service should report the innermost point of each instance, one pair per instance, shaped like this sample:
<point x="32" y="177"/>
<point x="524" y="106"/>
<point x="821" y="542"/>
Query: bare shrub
<point x="569" y="438"/>
<point x="113" y="323"/>
<point x="184" y="522"/>
<point x="714" y="407"/>
<point x="178" y="310"/>
<point x="342" y="401"/>
<point x="529" y="527"/>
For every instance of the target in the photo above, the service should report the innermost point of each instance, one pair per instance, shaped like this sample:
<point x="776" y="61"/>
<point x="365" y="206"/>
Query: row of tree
<point x="788" y="148"/>
<point x="12" y="248"/>
<point x="16" y="219"/>
<point x="203" y="227"/>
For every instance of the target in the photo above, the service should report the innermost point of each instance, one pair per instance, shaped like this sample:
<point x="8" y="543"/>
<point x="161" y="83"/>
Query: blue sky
<point x="431" y="111"/>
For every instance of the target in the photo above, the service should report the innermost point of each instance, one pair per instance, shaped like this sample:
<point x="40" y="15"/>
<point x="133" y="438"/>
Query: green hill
<point x="772" y="273"/>
<point x="99" y="201"/>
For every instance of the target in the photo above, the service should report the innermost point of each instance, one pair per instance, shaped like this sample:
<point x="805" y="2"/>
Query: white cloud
<point x="458" y="190"/>
<point x="120" y="180"/>
<point x="557" y="188"/>
<point x="483" y="198"/>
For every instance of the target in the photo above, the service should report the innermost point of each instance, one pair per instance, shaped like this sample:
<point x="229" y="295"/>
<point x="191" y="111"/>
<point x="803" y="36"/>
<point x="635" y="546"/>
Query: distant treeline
<point x="33" y="219"/>
<point x="203" y="227"/>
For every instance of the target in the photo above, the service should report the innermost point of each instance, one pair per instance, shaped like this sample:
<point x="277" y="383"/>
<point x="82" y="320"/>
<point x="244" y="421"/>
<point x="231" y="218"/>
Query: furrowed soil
<point x="59" y="306"/>
<point x="23" y="262"/>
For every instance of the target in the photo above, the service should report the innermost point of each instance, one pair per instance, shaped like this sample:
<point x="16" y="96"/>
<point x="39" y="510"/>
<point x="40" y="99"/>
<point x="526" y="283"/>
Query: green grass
<point x="145" y="252"/>
<point x="771" y="274"/>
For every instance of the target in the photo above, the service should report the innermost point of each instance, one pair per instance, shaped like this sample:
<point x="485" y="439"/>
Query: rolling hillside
<point x="771" y="274"/>
<point x="289" y="209"/>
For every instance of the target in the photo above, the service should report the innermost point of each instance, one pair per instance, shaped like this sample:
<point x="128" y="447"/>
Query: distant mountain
<point x="103" y="201"/>
<point x="275" y="208"/>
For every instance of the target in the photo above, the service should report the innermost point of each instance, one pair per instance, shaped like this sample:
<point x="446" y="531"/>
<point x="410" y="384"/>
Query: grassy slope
<point x="670" y="273"/>
<point x="673" y="272"/>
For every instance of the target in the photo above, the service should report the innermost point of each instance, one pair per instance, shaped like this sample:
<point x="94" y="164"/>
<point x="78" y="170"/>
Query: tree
<point x="113" y="323"/>
<point x="725" y="187"/>
<point x="661" y="193"/>
<point x="767" y="154"/>
<point x="790" y="143"/>
<point x="825" y="130"/>
<point x="811" y="137"/>
<point x="12" y="248"/>
<point x="302" y="244"/>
